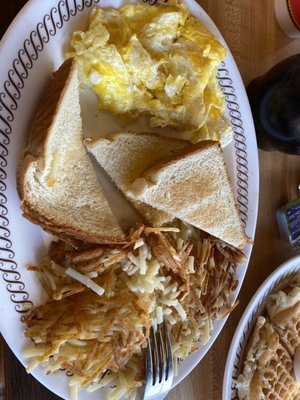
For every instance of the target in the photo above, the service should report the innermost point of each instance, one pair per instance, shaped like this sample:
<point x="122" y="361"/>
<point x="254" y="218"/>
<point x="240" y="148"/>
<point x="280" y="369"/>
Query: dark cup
<point x="275" y="103"/>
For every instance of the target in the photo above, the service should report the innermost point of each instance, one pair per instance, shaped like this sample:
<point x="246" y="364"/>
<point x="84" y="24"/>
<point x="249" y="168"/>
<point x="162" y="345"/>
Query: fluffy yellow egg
<point x="154" y="61"/>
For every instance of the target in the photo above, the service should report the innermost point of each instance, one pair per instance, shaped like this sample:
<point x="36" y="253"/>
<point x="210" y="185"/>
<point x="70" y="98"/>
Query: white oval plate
<point x="32" y="48"/>
<point x="276" y="281"/>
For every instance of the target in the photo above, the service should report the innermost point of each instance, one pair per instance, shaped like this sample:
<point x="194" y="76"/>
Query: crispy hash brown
<point x="103" y="300"/>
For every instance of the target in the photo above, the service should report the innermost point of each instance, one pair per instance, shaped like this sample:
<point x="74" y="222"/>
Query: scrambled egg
<point x="158" y="61"/>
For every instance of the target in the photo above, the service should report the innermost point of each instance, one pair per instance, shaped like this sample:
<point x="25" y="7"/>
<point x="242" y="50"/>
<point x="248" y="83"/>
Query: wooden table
<point x="257" y="43"/>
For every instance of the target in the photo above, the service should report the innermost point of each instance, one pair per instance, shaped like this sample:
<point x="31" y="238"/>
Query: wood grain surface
<point x="257" y="43"/>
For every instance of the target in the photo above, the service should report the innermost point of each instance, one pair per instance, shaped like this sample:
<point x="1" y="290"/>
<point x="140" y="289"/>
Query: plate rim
<point x="6" y="37"/>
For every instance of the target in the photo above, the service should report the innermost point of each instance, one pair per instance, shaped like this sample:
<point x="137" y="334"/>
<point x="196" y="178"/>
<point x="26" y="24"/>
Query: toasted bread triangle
<point x="56" y="181"/>
<point x="124" y="156"/>
<point x="194" y="186"/>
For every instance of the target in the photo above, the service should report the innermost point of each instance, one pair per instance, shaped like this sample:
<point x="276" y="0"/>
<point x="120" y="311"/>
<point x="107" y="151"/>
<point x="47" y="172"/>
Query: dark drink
<point x="275" y="102"/>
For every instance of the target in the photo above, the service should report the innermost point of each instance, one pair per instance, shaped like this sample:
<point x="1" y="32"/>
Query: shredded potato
<point x="177" y="274"/>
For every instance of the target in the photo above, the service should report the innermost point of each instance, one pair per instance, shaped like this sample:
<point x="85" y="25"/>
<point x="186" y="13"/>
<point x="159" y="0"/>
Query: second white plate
<point x="276" y="281"/>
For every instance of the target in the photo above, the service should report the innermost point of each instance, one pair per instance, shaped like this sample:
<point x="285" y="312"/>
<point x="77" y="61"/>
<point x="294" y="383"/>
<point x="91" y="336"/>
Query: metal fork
<point x="159" y="364"/>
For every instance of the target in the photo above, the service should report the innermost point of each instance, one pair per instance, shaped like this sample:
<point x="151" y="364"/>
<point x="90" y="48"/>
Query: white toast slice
<point x="125" y="156"/>
<point x="56" y="181"/>
<point x="194" y="186"/>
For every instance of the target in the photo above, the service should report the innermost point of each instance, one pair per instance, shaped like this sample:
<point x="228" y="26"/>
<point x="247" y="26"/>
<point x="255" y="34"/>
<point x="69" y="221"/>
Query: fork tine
<point x="155" y="359"/>
<point x="149" y="364"/>
<point x="169" y="372"/>
<point x="162" y="354"/>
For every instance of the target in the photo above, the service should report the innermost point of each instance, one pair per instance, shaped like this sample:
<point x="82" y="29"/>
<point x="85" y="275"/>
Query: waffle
<point x="268" y="368"/>
<point x="283" y="309"/>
